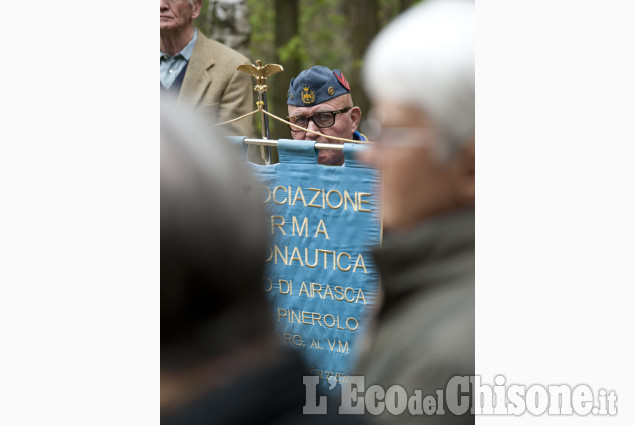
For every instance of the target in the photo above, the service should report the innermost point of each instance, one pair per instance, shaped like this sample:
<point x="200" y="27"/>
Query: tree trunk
<point x="363" y="18"/>
<point x="286" y="27"/>
<point x="228" y="23"/>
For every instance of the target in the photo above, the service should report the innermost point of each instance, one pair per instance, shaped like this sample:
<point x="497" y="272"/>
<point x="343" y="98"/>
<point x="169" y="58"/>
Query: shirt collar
<point x="187" y="50"/>
<point x="359" y="136"/>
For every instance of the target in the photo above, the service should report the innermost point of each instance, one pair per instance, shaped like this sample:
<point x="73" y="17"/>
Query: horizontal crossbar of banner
<point x="267" y="142"/>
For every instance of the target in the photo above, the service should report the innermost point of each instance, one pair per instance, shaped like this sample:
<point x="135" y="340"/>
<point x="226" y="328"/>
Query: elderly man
<point x="202" y="72"/>
<point x="320" y="100"/>
<point x="419" y="73"/>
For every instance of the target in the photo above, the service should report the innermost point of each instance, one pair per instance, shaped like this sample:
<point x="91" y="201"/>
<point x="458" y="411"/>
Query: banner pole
<point x="261" y="72"/>
<point x="265" y="151"/>
<point x="270" y="142"/>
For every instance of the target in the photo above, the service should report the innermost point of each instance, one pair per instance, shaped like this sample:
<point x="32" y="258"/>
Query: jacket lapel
<point x="197" y="78"/>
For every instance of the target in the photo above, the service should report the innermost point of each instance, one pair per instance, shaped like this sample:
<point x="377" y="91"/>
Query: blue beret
<point x="316" y="85"/>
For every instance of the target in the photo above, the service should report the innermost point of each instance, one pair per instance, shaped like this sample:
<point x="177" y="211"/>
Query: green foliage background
<point x="324" y="37"/>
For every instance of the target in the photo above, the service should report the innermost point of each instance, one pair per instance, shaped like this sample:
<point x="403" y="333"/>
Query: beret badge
<point x="307" y="96"/>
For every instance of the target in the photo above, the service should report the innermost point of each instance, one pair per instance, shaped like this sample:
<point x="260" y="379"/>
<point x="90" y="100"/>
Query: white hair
<point x="425" y="58"/>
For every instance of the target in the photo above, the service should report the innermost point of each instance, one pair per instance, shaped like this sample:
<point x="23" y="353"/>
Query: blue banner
<point x="320" y="275"/>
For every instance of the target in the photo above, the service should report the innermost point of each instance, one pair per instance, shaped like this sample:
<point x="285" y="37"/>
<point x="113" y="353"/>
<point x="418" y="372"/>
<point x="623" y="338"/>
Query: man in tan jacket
<point x="202" y="72"/>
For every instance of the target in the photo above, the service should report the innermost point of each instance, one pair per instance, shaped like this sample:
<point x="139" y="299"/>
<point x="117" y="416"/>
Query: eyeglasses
<point x="398" y="136"/>
<point x="321" y="119"/>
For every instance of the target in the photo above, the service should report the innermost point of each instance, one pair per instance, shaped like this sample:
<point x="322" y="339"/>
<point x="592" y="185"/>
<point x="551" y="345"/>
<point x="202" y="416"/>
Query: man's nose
<point x="311" y="126"/>
<point x="164" y="4"/>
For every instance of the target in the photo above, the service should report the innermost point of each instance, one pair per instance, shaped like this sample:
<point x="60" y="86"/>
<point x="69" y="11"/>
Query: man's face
<point x="178" y="14"/>
<point x="417" y="183"/>
<point x="345" y="125"/>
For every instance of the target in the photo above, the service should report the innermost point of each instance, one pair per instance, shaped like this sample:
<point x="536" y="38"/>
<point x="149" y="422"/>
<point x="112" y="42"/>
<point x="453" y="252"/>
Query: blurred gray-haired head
<point x="213" y="243"/>
<point x="425" y="58"/>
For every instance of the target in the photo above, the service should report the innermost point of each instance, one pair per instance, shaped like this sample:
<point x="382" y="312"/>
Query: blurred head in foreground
<point x="419" y="74"/>
<point x="220" y="362"/>
<point x="214" y="315"/>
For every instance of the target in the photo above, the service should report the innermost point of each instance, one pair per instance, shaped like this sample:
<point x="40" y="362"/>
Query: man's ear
<point x="356" y="117"/>
<point x="198" y="4"/>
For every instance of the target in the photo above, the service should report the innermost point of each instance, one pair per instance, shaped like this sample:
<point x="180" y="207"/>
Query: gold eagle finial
<point x="261" y="73"/>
